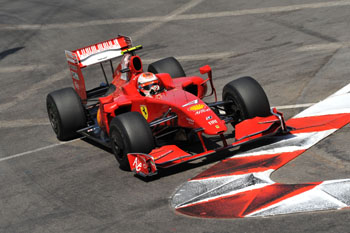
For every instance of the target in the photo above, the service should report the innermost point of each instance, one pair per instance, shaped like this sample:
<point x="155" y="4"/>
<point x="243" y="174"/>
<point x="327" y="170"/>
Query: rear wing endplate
<point x="93" y="54"/>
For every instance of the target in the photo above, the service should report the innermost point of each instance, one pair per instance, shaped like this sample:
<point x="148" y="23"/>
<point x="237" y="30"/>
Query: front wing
<point x="171" y="155"/>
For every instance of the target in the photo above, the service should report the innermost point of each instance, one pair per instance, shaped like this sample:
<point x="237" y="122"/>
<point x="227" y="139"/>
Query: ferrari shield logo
<point x="144" y="111"/>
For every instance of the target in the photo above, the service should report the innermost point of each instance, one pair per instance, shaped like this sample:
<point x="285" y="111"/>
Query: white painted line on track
<point x="80" y="24"/>
<point x="63" y="74"/>
<point x="24" y="123"/>
<point x="294" y="106"/>
<point x="176" y="15"/>
<point x="265" y="10"/>
<point x="197" y="57"/>
<point x="22" y="68"/>
<point x="15" y="124"/>
<point x="36" y="150"/>
<point x="164" y="20"/>
<point x="326" y="46"/>
<point x="194" y="57"/>
<point x="23" y="95"/>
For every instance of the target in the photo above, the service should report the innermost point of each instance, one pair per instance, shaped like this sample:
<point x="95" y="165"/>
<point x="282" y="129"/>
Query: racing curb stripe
<point x="326" y="195"/>
<point x="245" y="202"/>
<point x="246" y="165"/>
<point x="240" y="186"/>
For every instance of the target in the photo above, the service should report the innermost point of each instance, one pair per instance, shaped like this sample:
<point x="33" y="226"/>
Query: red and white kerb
<point x="240" y="186"/>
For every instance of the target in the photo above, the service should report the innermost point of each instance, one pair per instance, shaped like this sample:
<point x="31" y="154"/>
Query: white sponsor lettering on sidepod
<point x="212" y="122"/>
<point x="202" y="111"/>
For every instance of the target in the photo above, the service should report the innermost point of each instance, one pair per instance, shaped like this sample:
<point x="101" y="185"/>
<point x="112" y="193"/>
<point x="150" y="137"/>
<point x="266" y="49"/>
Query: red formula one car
<point x="142" y="116"/>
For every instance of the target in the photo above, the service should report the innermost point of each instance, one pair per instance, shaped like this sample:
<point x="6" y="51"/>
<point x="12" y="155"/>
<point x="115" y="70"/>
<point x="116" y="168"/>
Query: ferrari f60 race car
<point x="141" y="115"/>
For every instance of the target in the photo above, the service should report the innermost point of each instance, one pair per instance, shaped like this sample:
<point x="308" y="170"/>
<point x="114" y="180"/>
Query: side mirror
<point x="205" y="69"/>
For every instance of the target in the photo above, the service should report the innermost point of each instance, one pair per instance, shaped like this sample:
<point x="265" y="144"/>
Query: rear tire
<point x="248" y="97"/>
<point x="130" y="133"/>
<point x="167" y="65"/>
<point x="66" y="113"/>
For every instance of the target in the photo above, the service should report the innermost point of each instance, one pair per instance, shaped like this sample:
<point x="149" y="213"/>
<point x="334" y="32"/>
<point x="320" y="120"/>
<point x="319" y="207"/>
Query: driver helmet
<point x="148" y="84"/>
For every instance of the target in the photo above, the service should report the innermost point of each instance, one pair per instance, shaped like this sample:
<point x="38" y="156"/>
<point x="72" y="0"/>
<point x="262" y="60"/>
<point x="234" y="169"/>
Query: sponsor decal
<point x="96" y="48"/>
<point x="202" y="111"/>
<point x="72" y="67"/>
<point x="144" y="111"/>
<point x="71" y="57"/>
<point x="99" y="118"/>
<point x="196" y="107"/>
<point x="75" y="75"/>
<point x="212" y="122"/>
<point x="190" y="103"/>
<point x="142" y="165"/>
<point x="137" y="165"/>
<point x="76" y="85"/>
<point x="217" y="126"/>
<point x="208" y="118"/>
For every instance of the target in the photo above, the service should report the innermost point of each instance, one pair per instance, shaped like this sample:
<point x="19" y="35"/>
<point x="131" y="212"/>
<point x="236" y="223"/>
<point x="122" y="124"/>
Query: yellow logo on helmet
<point x="144" y="111"/>
<point x="196" y="107"/>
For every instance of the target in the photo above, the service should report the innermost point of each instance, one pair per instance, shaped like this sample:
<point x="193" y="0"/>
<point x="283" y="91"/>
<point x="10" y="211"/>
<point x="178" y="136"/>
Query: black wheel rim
<point x="53" y="117"/>
<point x="234" y="110"/>
<point x="117" y="145"/>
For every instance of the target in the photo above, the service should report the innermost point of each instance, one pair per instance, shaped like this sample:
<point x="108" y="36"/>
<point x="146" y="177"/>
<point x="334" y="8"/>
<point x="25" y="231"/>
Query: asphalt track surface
<point x="298" y="50"/>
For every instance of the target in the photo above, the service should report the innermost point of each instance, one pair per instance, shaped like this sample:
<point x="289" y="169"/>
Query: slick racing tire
<point x="167" y="65"/>
<point x="66" y="113"/>
<point x="248" y="99"/>
<point x="130" y="133"/>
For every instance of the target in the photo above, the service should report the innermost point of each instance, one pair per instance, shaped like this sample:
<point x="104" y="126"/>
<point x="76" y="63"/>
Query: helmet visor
<point x="147" y="86"/>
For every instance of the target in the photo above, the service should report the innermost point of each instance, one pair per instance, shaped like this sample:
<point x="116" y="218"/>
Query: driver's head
<point x="148" y="84"/>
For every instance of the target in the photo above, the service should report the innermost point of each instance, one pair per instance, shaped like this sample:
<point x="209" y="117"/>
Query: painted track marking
<point x="29" y="122"/>
<point x="193" y="57"/>
<point x="163" y="20"/>
<point x="24" y="123"/>
<point x="36" y="150"/>
<point x="29" y="91"/>
<point x="294" y="106"/>
<point x="60" y="75"/>
<point x="176" y="15"/>
<point x="23" y="68"/>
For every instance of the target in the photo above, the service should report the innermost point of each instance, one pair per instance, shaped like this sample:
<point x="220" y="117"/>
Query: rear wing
<point x="93" y="54"/>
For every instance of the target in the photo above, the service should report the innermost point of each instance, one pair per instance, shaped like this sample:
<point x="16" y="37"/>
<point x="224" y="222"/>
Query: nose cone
<point x="205" y="118"/>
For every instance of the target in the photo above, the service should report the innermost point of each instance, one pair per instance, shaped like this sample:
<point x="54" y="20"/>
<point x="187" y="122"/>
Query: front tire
<point x="130" y="133"/>
<point x="248" y="99"/>
<point x="66" y="113"/>
<point x="167" y="65"/>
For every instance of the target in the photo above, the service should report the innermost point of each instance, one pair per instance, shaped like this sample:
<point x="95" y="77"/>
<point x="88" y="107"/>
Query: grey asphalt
<point x="298" y="50"/>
